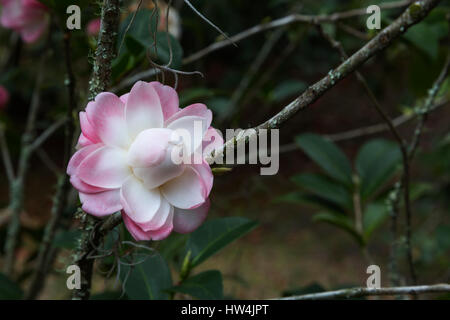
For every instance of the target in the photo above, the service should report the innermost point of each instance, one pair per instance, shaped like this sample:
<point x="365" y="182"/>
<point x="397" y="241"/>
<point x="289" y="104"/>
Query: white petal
<point x="186" y="191"/>
<point x="141" y="204"/>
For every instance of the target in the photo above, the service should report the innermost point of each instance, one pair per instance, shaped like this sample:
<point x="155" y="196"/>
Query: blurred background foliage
<point x="265" y="236"/>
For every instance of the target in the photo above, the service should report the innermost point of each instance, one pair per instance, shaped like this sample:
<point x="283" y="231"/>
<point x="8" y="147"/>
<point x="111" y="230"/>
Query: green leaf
<point x="163" y="49"/>
<point x="418" y="190"/>
<point x="443" y="237"/>
<point x="373" y="218"/>
<point x="287" y="89"/>
<point x="302" y="198"/>
<point x="147" y="280"/>
<point x="67" y="239"/>
<point x="205" y="286"/>
<point x="172" y="246"/>
<point x="9" y="290"/>
<point x="141" y="29"/>
<point x="219" y="105"/>
<point x="427" y="35"/>
<point x="122" y="64"/>
<point x="327" y="155"/>
<point x="194" y="94"/>
<point x="340" y="221"/>
<point x="216" y="234"/>
<point x="376" y="163"/>
<point x="324" y="188"/>
<point x="141" y="36"/>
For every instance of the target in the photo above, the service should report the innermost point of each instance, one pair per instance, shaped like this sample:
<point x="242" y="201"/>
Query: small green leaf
<point x="205" y="286"/>
<point x="327" y="155"/>
<point x="147" y="280"/>
<point x="342" y="222"/>
<point x="172" y="246"/>
<point x="219" y="105"/>
<point x="9" y="290"/>
<point x="194" y="95"/>
<point x="216" y="234"/>
<point x="376" y="163"/>
<point x="301" y="198"/>
<point x="373" y="218"/>
<point x="67" y="239"/>
<point x="324" y="188"/>
<point x="418" y="190"/>
<point x="443" y="237"/>
<point x="122" y="64"/>
<point x="427" y="35"/>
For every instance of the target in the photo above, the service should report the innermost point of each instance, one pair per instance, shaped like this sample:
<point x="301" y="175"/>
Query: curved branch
<point x="277" y="23"/>
<point x="364" y="292"/>
<point x="290" y="19"/>
<point x="412" y="15"/>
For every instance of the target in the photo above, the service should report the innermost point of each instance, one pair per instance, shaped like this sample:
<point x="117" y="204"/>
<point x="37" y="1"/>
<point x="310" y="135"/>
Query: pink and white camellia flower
<point x="124" y="161"/>
<point x="4" y="97"/>
<point x="29" y="18"/>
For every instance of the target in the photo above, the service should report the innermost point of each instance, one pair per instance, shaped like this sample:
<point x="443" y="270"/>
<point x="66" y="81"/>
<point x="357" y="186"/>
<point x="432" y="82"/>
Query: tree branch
<point x="412" y="15"/>
<point x="428" y="106"/>
<point x="290" y="19"/>
<point x="6" y="155"/>
<point x="402" y="145"/>
<point x="45" y="256"/>
<point x="364" y="292"/>
<point x="105" y="53"/>
<point x="17" y="186"/>
<point x="281" y="22"/>
<point x="47" y="133"/>
<point x="254" y="67"/>
<point x="366" y="131"/>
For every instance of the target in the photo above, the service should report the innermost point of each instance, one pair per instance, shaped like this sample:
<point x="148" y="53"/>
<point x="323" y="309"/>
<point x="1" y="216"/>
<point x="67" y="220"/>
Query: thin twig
<point x="51" y="165"/>
<point x="17" y="186"/>
<point x="410" y="154"/>
<point x="353" y="32"/>
<point x="405" y="160"/>
<point x="6" y="155"/>
<point x="365" y="131"/>
<point x="287" y="20"/>
<point x="393" y="200"/>
<point x="427" y="107"/>
<point x="209" y="22"/>
<point x="129" y="26"/>
<point x="364" y="292"/>
<point x="254" y="67"/>
<point x="47" y="250"/>
<point x="315" y="91"/>
<point x="47" y="133"/>
<point x="105" y="53"/>
<point x="269" y="71"/>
